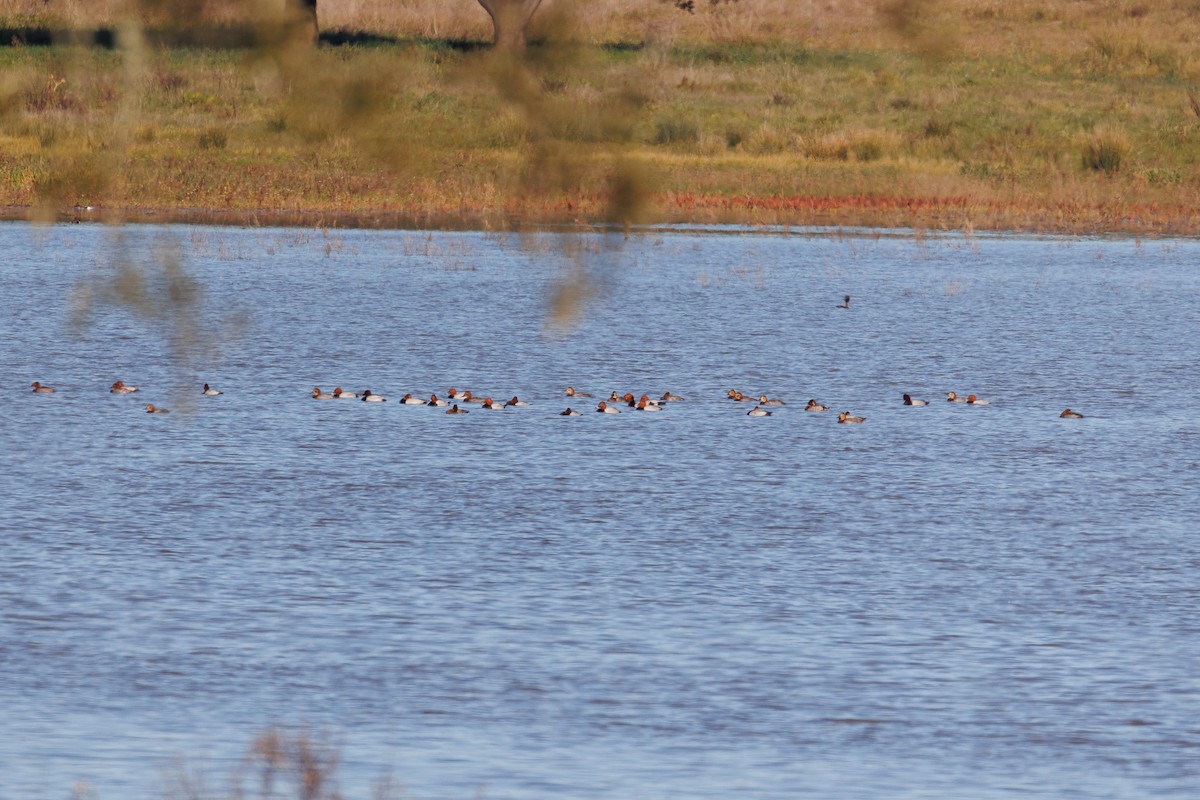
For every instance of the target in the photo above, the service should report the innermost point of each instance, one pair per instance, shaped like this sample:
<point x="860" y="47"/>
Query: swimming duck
<point x="645" y="405"/>
<point x="733" y="394"/>
<point x="845" y="418"/>
<point x="669" y="398"/>
<point x="763" y="401"/>
<point x="649" y="402"/>
<point x="605" y="408"/>
<point x="908" y="401"/>
<point x="490" y="406"/>
<point x="975" y="401"/>
<point x="454" y="409"/>
<point x="572" y="393"/>
<point x="845" y="302"/>
<point x="152" y="410"/>
<point x="1069" y="414"/>
<point x="39" y="389"/>
<point x="433" y="401"/>
<point x="569" y="412"/>
<point x="613" y="398"/>
<point x="370" y="397"/>
<point x="338" y="394"/>
<point x="628" y="399"/>
<point x="758" y="411"/>
<point x="813" y="405"/>
<point x="515" y="402"/>
<point x="211" y="392"/>
<point x="409" y="400"/>
<point x="467" y="397"/>
<point x="120" y="388"/>
<point x="317" y="394"/>
<point x="954" y="398"/>
<point x="455" y="395"/>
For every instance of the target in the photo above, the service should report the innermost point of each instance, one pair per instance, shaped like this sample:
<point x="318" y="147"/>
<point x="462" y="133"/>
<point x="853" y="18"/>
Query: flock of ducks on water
<point x="608" y="406"/>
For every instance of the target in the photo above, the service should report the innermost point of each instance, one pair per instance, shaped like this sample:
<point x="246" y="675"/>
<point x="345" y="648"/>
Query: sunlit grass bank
<point x="1040" y="116"/>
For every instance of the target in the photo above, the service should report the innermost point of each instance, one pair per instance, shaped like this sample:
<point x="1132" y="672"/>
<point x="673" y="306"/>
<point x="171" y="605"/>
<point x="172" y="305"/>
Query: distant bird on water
<point x="845" y="302"/>
<point x="1069" y="414"/>
<point x="38" y="388"/>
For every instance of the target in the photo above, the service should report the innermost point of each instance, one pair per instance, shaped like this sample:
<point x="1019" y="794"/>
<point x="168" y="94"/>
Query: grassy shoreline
<point x="1089" y="133"/>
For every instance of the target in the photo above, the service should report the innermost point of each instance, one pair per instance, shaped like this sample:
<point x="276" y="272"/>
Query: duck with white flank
<point x="908" y="401"/>
<point x="845" y="418"/>
<point x="813" y="405"/>
<point x="209" y="391"/>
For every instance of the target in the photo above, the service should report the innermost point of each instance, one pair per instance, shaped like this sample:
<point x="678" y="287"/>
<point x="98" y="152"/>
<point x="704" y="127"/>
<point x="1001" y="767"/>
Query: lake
<point x="945" y="601"/>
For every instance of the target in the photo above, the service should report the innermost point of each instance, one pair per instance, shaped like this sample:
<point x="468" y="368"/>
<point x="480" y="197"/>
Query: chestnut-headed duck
<point x="455" y="395"/>
<point x="120" y="388"/>
<point x="515" y="402"/>
<point x="317" y="394"/>
<point x="154" y="410"/>
<point x="569" y="412"/>
<point x="954" y="398"/>
<point x="211" y="392"/>
<point x="409" y="400"/>
<point x="40" y="389"/>
<point x="649" y="402"/>
<point x="845" y="418"/>
<point x="628" y="399"/>
<point x="433" y="401"/>
<point x="763" y="401"/>
<point x="908" y="401"/>
<point x="975" y="401"/>
<point x="572" y="393"/>
<point x="467" y="397"/>
<point x="758" y="411"/>
<point x="489" y="405"/>
<point x="732" y="394"/>
<point x="1069" y="414"/>
<point x="845" y="302"/>
<point x="338" y="394"/>
<point x="645" y="405"/>
<point x="669" y="398"/>
<point x="605" y="408"/>
<point x="813" y="405"/>
<point x="454" y="409"/>
<point x="370" y="397"/>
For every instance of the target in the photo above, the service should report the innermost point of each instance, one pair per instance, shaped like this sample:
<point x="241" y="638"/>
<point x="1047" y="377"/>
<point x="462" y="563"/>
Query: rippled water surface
<point x="950" y="601"/>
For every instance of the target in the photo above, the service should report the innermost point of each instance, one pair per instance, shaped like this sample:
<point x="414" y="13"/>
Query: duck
<point x="455" y="396"/>
<point x="628" y="399"/>
<point x="454" y="409"/>
<point x="467" y="397"/>
<point x="490" y="406"/>
<point x="954" y="398"/>
<point x="845" y="302"/>
<point x="908" y="401"/>
<point x="732" y="394"/>
<point x="338" y="394"/>
<point x="605" y="408"/>
<point x="845" y="418"/>
<point x="670" y="398"/>
<point x="516" y="402"/>
<point x="613" y="398"/>
<point x="211" y="392"/>
<point x="1069" y="414"/>
<point x="433" y="401"/>
<point x="120" y="388"/>
<point x="370" y="397"/>
<point x="317" y="394"/>
<point x="975" y="401"/>
<point x="645" y="405"/>
<point x="649" y="402"/>
<point x="409" y="400"/>
<point x="38" y="388"/>
<point x="150" y="409"/>
<point x="758" y="411"/>
<point x="763" y="401"/>
<point x="569" y="412"/>
<point x="572" y="393"/>
<point x="813" y="405"/>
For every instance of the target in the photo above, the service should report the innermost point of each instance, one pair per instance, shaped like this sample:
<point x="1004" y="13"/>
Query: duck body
<point x="645" y="405"/>
<point x="38" y="388"/>
<point x="763" y="401"/>
<point x="813" y="405"/>
<point x="338" y="394"/>
<point x="908" y="401"/>
<point x="846" y="418"/>
<point x="569" y="412"/>
<point x="516" y="402"/>
<point x="670" y="398"/>
<point x="317" y="394"/>
<point x="975" y="401"/>
<point x="758" y="411"/>
<point x="151" y="409"/>
<point x="454" y="409"/>
<point x="409" y="400"/>
<point x="211" y="392"/>
<point x="433" y="401"/>
<point x="952" y="397"/>
<point x="604" y="408"/>
<point x="370" y="397"/>
<point x="572" y="393"/>
<point x="120" y="388"/>
<point x="1069" y="414"/>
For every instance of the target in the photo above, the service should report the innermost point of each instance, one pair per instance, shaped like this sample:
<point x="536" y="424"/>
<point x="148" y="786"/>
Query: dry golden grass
<point x="1040" y="115"/>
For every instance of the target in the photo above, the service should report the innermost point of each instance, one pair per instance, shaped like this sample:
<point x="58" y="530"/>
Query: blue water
<point x="949" y="601"/>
